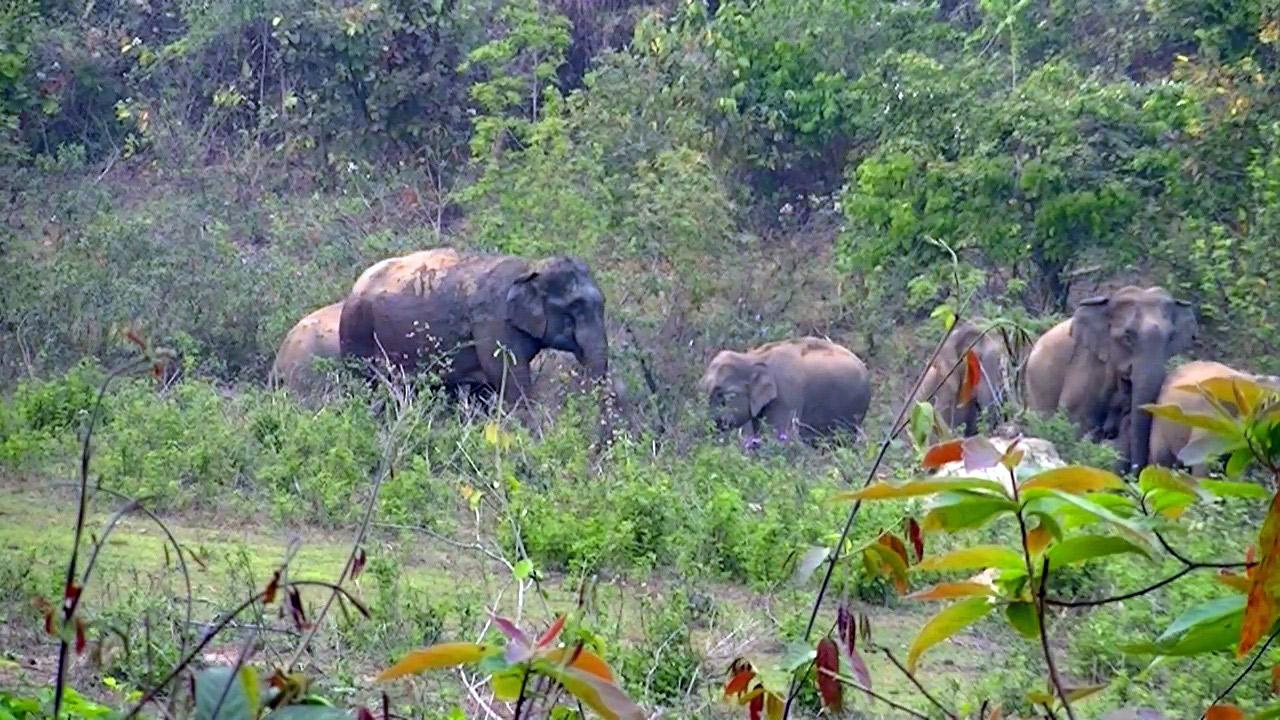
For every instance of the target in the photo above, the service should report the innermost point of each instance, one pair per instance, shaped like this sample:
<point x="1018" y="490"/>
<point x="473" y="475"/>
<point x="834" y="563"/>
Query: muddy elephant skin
<point x="1119" y="344"/>
<point x="806" y="387"/>
<point x="475" y="320"/>
<point x="315" y="337"/>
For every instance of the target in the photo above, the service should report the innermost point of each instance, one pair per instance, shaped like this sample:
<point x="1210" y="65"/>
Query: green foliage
<point x="74" y="705"/>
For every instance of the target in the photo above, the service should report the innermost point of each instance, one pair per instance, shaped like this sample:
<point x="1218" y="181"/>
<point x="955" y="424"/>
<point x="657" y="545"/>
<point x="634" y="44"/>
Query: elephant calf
<point x="315" y="337"/>
<point x="805" y="387"/>
<point x="1168" y="438"/>
<point x="942" y="381"/>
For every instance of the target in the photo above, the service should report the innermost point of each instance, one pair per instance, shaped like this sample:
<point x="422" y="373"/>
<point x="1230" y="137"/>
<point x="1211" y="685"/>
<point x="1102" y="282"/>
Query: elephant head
<point x="1134" y="331"/>
<point x="737" y="387"/>
<point x="558" y="304"/>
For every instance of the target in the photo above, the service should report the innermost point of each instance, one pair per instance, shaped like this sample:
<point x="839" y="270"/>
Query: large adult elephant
<point x="476" y="320"/>
<point x="1169" y="438"/>
<point x="943" y="379"/>
<point x="315" y="337"/>
<point x="806" y="387"/>
<point x="1114" y="347"/>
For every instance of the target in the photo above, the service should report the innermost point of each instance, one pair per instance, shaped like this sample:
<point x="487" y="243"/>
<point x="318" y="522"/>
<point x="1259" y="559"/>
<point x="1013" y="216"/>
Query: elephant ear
<point x="526" y="306"/>
<point x="1185" y="327"/>
<point x="1091" y="326"/>
<point x="764" y="389"/>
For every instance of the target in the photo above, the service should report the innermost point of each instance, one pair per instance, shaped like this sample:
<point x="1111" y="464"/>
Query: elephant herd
<point x="477" y="321"/>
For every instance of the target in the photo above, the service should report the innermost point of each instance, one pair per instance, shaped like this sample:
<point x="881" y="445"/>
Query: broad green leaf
<point x="979" y="557"/>
<point x="506" y="683"/>
<point x="1131" y="528"/>
<point x="241" y="698"/>
<point x="1239" y="462"/>
<point x="1205" y="448"/>
<point x="1216" y="424"/>
<point x="1228" y="488"/>
<point x="951" y="591"/>
<point x="922" y="422"/>
<point x="1047" y="521"/>
<point x="1156" y="477"/>
<point x="1087" y="547"/>
<point x="523" y="569"/>
<point x="1271" y="712"/>
<point x="1073" y="479"/>
<point x="917" y="488"/>
<point x="946" y="623"/>
<point x="1210" y="627"/>
<point x="435" y="657"/>
<point x="965" y="510"/>
<point x="1235" y="391"/>
<point x="1169" y="503"/>
<point x="1022" y="617"/>
<point x="798" y="655"/>
<point x="885" y="557"/>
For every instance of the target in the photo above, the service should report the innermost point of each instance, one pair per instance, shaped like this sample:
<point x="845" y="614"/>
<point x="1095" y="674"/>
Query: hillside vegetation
<point x="199" y="174"/>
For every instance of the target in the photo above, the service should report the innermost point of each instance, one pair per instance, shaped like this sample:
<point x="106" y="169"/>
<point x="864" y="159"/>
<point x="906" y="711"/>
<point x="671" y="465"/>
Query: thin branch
<point x="916" y="681"/>
<point x="223" y="623"/>
<point x="876" y="696"/>
<point x="1247" y="669"/>
<point x="71" y="600"/>
<point x="1044" y="638"/>
<point x="1057" y="602"/>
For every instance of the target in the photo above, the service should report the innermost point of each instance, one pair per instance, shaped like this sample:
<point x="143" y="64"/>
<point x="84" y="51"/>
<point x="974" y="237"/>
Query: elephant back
<point x="415" y="272"/>
<point x="313" y="337"/>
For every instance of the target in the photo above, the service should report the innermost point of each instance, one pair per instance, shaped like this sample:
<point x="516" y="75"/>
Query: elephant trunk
<point x="593" y="354"/>
<point x="1147" y="382"/>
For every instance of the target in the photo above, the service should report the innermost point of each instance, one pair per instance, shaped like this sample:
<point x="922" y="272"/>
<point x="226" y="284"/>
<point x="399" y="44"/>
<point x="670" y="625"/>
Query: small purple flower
<point x="783" y="436"/>
<point x="751" y="442"/>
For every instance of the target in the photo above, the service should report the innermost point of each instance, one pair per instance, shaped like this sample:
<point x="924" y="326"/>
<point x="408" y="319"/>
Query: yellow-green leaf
<point x="917" y="488"/>
<point x="950" y="621"/>
<point x="1080" y="693"/>
<point x="1022" y="617"/>
<point x="435" y="657"/>
<point x="1217" y="424"/>
<point x="1073" y="479"/>
<point x="977" y="557"/>
<point x="1087" y="547"/>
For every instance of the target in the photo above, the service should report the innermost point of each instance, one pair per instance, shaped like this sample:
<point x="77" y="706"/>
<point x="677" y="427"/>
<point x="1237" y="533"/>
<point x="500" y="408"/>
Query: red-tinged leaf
<point x="436" y="657"/>
<point x="755" y="710"/>
<point x="136" y="339"/>
<point x="980" y="454"/>
<point x="296" y="610"/>
<point x="739" y="683"/>
<point x="552" y="632"/>
<point x="363" y="713"/>
<point x="916" y="536"/>
<point x="357" y="565"/>
<point x="580" y="658"/>
<point x="864" y="629"/>
<point x="269" y="594"/>
<point x="1260" y="610"/>
<point x="48" y="623"/>
<point x="996" y="713"/>
<point x="1012" y="457"/>
<point x="954" y="590"/>
<point x="71" y="595"/>
<point x="1038" y="539"/>
<point x="1235" y="581"/>
<point x="972" y="376"/>
<point x="943" y="453"/>
<point x="1224" y="712"/>
<point x="605" y="698"/>
<point x="894" y="543"/>
<point x="80" y="638"/>
<point x="846" y="627"/>
<point x="858" y="668"/>
<point x="519" y="648"/>
<point x="1275" y="679"/>
<point x="827" y="664"/>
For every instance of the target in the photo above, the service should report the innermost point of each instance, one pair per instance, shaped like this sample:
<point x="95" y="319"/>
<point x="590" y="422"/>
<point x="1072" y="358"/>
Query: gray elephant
<point x="476" y="320"/>
<point x="315" y="337"/>
<point x="945" y="376"/>
<point x="1169" y="438"/>
<point x="806" y="387"/>
<point x="1114" y="345"/>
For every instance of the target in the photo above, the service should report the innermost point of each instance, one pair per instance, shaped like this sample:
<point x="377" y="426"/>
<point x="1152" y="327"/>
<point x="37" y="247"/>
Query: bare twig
<point x="916" y="681"/>
<point x="872" y="694"/>
<point x="1044" y="640"/>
